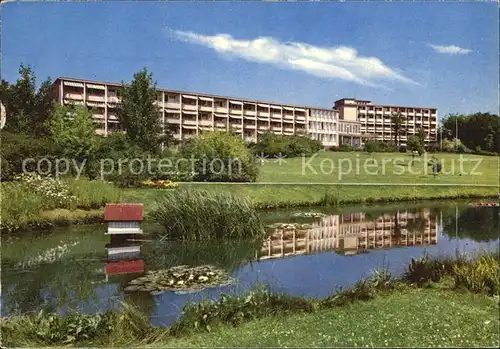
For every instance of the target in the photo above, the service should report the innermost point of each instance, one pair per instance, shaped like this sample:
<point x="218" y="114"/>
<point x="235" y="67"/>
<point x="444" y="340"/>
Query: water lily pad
<point x="180" y="278"/>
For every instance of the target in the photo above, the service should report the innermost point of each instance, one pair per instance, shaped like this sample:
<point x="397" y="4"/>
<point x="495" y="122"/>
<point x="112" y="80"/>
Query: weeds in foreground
<point x="480" y="275"/>
<point x="46" y="329"/>
<point x="235" y="309"/>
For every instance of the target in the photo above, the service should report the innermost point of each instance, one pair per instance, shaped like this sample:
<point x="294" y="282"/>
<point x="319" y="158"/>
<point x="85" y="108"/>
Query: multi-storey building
<point x="376" y="122"/>
<point x="188" y="113"/>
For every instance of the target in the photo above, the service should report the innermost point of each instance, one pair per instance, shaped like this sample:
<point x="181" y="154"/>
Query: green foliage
<point x="26" y="107"/>
<point x="478" y="129"/>
<point x="270" y="144"/>
<point x="72" y="132"/>
<point x="397" y="124"/>
<point x="480" y="275"/>
<point x="49" y="329"/>
<point x="233" y="310"/>
<point x="218" y="157"/>
<point x="455" y="145"/>
<point x="202" y="215"/>
<point x="415" y="144"/>
<point x="16" y="147"/>
<point x="423" y="270"/>
<point x="35" y="194"/>
<point x="379" y="147"/>
<point x="421" y="134"/>
<point x="346" y="147"/>
<point x="138" y="113"/>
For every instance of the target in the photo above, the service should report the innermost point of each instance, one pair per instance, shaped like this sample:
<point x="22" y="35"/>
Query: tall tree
<point x="478" y="130"/>
<point x="138" y="113"/>
<point x="397" y="123"/>
<point x="27" y="108"/>
<point x="72" y="131"/>
<point x="421" y="135"/>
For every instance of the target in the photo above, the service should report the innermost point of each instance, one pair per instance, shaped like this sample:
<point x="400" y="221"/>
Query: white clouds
<point x="450" y="49"/>
<point x="339" y="62"/>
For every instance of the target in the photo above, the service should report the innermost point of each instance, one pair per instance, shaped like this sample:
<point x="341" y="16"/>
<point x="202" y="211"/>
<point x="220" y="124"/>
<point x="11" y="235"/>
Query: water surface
<point x="68" y="268"/>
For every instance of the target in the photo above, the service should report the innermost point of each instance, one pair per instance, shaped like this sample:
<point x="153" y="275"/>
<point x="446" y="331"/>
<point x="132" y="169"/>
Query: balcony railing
<point x="94" y="98"/>
<point x="173" y="105"/>
<point x="205" y="108"/>
<point x="221" y="109"/>
<point x="189" y="107"/>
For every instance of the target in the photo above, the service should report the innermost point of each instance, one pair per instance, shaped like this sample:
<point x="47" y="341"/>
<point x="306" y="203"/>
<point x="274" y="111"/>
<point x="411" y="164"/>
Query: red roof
<point x="124" y="267"/>
<point x="123" y="212"/>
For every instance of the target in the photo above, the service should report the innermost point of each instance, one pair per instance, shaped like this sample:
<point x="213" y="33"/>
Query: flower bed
<point x="158" y="184"/>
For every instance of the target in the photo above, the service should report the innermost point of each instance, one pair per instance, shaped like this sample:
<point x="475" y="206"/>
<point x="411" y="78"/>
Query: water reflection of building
<point x="354" y="233"/>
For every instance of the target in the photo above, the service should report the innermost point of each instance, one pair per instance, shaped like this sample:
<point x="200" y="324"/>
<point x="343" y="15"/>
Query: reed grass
<point x="204" y="215"/>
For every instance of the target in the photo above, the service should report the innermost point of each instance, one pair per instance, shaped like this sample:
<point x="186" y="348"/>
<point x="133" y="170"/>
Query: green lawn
<point x="300" y="182"/>
<point x="420" y="317"/>
<point x="392" y="168"/>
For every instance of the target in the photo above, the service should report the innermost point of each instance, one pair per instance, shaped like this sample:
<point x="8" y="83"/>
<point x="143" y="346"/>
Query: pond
<point x="69" y="268"/>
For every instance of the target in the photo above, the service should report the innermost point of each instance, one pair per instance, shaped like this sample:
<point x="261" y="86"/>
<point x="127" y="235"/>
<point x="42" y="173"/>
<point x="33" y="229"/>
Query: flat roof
<point x="195" y="93"/>
<point x="383" y="105"/>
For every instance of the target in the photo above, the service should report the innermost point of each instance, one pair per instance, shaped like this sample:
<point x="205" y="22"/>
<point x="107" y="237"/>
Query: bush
<point x="423" y="270"/>
<point x="480" y="275"/>
<point x="201" y="215"/>
<point x="113" y="148"/>
<point x="379" y="147"/>
<point x="415" y="144"/>
<point x="455" y="145"/>
<point x="334" y="148"/>
<point x="233" y="310"/>
<point x="219" y="157"/>
<point x="18" y="147"/>
<point x="433" y="147"/>
<point x="346" y="147"/>
<point x="271" y="144"/>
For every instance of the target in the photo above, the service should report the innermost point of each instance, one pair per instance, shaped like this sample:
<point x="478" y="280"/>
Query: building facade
<point x="187" y="114"/>
<point x="376" y="122"/>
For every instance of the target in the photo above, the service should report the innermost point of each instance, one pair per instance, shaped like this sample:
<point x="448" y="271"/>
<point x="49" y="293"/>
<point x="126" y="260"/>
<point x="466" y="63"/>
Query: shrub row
<point x="270" y="144"/>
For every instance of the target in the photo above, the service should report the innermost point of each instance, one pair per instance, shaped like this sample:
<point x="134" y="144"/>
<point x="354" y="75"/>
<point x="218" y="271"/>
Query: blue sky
<point x="442" y="55"/>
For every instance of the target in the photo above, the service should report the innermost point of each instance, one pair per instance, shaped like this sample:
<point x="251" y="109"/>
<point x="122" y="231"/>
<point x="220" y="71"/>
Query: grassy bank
<point x="286" y="195"/>
<point x="411" y="318"/>
<point x="40" y="203"/>
<point x="431" y="304"/>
